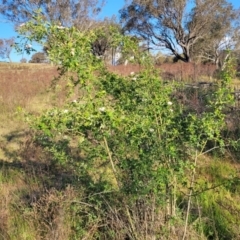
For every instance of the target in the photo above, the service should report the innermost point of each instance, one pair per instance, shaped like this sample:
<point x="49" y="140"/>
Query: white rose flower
<point x="102" y="109"/>
<point x="28" y="46"/>
<point x="60" y="27"/>
<point x="72" y="51"/>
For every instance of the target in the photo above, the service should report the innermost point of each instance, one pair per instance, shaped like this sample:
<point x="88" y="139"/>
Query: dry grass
<point x="173" y="71"/>
<point x="20" y="83"/>
<point x="34" y="201"/>
<point x="187" y="71"/>
<point x="23" y="86"/>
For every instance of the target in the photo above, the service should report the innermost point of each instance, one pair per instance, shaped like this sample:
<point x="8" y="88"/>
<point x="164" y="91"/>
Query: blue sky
<point x="111" y="8"/>
<point x="7" y="28"/>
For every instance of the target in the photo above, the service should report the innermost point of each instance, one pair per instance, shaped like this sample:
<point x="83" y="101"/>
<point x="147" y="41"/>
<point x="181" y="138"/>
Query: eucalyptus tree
<point x="176" y="25"/>
<point x="62" y="12"/>
<point x="223" y="39"/>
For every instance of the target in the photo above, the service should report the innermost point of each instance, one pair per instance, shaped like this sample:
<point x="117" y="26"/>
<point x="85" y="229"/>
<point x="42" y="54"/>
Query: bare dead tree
<point x="171" y="25"/>
<point x="6" y="46"/>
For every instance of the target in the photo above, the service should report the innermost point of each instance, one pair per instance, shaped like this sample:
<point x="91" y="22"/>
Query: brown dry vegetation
<point x="27" y="179"/>
<point x="20" y="83"/>
<point x="36" y="194"/>
<point x="173" y="71"/>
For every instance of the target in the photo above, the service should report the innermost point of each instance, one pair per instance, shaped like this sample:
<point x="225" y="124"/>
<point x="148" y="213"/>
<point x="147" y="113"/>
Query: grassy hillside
<point x="41" y="199"/>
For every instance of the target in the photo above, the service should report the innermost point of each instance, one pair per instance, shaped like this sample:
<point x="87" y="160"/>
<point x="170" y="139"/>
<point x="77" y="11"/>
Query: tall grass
<point x="21" y="83"/>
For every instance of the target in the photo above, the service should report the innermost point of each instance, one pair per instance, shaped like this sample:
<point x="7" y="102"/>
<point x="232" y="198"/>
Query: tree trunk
<point x="185" y="56"/>
<point x="9" y="58"/>
<point x="186" y="53"/>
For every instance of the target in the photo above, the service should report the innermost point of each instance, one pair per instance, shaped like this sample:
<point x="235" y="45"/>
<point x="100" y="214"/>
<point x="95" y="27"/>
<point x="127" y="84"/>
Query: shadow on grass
<point x="36" y="167"/>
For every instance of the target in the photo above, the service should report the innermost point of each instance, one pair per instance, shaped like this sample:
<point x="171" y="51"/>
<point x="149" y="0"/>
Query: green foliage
<point x="127" y="135"/>
<point x="223" y="212"/>
<point x="214" y="199"/>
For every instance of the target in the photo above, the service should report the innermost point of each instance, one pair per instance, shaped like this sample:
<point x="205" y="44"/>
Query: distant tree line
<point x="39" y="57"/>
<point x="187" y="30"/>
<point x="202" y="32"/>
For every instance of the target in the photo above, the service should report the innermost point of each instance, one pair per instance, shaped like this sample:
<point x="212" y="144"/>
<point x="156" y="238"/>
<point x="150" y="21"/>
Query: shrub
<point x="130" y="143"/>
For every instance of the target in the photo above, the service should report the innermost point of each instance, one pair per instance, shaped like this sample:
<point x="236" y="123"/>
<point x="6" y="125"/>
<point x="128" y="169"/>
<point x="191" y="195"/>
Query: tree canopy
<point x="177" y="25"/>
<point x="63" y="12"/>
<point x="39" y="57"/>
